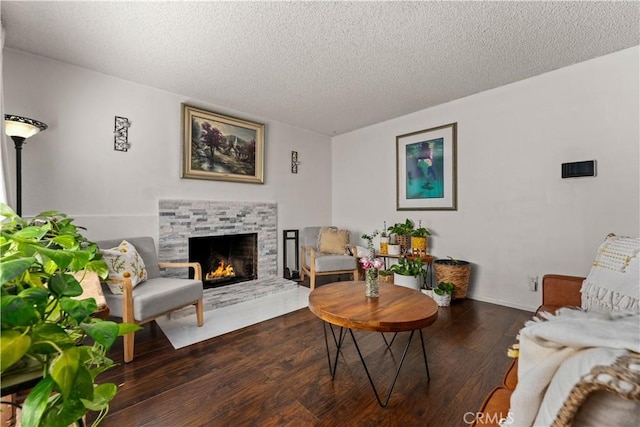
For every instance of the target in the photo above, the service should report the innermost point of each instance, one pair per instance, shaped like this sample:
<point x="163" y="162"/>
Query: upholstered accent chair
<point x="154" y="297"/>
<point x="325" y="251"/>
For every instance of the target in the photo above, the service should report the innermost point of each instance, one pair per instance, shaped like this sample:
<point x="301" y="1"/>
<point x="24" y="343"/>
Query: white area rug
<point x="224" y="314"/>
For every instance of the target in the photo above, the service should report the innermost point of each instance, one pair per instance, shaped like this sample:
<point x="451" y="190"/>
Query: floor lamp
<point x="19" y="129"/>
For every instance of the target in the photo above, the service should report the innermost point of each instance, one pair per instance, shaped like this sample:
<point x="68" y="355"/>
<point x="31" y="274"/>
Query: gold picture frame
<point x="222" y="148"/>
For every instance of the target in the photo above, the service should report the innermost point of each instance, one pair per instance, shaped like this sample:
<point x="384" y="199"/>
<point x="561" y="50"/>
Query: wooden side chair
<point x="155" y="297"/>
<point x="325" y="251"/>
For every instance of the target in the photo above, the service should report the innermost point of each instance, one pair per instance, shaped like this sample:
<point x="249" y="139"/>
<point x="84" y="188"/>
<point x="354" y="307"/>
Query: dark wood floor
<point x="275" y="374"/>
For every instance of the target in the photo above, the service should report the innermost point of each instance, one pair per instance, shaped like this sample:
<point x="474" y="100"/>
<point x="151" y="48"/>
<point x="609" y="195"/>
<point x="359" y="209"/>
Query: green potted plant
<point x="419" y="238"/>
<point x="47" y="332"/>
<point x="455" y="271"/>
<point x="442" y="293"/>
<point x="408" y="272"/>
<point x="402" y="232"/>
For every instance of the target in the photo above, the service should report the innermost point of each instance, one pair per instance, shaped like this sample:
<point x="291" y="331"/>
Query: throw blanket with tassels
<point x="547" y="349"/>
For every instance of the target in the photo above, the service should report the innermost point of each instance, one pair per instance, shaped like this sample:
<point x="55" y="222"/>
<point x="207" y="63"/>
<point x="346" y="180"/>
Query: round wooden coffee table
<point x="397" y="309"/>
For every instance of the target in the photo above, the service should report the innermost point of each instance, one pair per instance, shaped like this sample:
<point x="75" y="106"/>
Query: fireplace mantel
<point x="182" y="219"/>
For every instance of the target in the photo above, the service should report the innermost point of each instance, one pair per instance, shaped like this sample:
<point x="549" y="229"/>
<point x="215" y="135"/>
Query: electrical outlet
<point x="533" y="283"/>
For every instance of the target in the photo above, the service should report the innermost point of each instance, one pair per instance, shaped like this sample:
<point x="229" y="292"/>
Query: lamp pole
<point x="19" y="142"/>
<point x="19" y="129"/>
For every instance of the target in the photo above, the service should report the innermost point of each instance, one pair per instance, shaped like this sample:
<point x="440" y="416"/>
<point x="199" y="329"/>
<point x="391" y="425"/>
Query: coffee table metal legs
<point x="339" y="340"/>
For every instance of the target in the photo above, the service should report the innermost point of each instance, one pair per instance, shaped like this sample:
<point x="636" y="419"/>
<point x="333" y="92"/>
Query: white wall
<point x="516" y="216"/>
<point x="72" y="166"/>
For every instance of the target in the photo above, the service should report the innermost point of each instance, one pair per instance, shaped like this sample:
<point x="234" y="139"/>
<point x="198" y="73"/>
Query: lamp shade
<point x="22" y="127"/>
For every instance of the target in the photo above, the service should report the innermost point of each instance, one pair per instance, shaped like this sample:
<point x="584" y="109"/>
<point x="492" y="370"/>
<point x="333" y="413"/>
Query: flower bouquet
<point x="371" y="267"/>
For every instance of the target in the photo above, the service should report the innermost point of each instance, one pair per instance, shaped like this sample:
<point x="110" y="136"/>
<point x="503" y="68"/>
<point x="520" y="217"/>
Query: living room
<point x="516" y="217"/>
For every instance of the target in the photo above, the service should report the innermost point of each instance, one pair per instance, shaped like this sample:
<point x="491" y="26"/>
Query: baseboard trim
<point x="504" y="303"/>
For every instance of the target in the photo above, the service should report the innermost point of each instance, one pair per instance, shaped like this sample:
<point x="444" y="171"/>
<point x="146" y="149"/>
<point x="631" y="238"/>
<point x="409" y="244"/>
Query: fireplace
<point x="226" y="259"/>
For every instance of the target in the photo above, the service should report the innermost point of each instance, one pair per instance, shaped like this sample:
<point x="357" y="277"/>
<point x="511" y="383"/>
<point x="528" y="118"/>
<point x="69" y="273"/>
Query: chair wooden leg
<point x="200" y="312"/>
<point x="128" y="347"/>
<point x="312" y="281"/>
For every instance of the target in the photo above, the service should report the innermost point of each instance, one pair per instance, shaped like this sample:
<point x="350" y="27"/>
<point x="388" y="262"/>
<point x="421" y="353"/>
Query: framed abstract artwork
<point x="426" y="169"/>
<point x="221" y="148"/>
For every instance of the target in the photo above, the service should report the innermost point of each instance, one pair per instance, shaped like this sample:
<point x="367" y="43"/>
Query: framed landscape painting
<point x="426" y="169"/>
<point x="222" y="148"/>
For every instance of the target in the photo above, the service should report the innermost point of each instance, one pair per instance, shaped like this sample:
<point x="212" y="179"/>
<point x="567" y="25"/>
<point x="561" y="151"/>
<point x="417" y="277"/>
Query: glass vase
<point x="372" y="285"/>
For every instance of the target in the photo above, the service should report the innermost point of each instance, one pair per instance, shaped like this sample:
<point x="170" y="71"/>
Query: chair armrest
<point x="311" y="249"/>
<point x="127" y="299"/>
<point x="197" y="275"/>
<point x="354" y="250"/>
<point x="559" y="290"/>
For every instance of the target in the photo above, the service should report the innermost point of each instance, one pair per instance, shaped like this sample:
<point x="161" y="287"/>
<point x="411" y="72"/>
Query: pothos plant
<point x="409" y="267"/>
<point x="402" y="228"/>
<point x="45" y="327"/>
<point x="444" y="288"/>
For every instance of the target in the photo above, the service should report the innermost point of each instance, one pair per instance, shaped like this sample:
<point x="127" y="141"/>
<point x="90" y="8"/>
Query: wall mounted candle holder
<point x="121" y="134"/>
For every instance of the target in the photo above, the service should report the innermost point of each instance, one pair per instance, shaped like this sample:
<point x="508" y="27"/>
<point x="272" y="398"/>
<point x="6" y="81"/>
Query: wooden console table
<point x="397" y="309"/>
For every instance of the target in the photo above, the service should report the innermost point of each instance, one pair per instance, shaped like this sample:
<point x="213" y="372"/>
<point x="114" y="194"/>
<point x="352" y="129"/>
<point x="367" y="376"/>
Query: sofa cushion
<point x="612" y="283"/>
<point x="145" y="247"/>
<point x="333" y="241"/>
<point x="157" y="296"/>
<point x="124" y="262"/>
<point x="335" y="263"/>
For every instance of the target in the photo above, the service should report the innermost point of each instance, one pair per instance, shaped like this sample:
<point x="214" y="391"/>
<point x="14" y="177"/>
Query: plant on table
<point x="402" y="228"/>
<point x="44" y="327"/>
<point x="420" y="232"/>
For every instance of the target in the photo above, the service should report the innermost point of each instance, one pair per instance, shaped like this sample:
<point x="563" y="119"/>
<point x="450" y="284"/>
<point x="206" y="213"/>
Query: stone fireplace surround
<point x="181" y="219"/>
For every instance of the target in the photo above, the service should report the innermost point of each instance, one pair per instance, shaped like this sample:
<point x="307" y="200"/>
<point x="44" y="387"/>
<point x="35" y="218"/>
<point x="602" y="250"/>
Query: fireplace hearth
<point x="225" y="259"/>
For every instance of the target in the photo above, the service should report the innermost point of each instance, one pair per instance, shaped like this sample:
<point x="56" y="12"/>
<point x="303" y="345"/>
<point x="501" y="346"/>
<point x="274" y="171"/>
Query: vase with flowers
<point x="372" y="267"/>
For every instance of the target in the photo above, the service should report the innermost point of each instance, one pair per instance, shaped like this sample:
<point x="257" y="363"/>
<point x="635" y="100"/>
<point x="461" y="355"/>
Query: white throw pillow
<point x="124" y="262"/>
<point x="612" y="283"/>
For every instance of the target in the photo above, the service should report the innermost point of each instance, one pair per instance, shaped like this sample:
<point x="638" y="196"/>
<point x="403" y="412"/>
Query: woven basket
<point x="458" y="274"/>
<point x="388" y="278"/>
<point x="404" y="242"/>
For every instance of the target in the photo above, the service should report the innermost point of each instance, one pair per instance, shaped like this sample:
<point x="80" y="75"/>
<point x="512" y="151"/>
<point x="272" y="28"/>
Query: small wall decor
<point x="426" y="169"/>
<point x="121" y="134"/>
<point x="294" y="162"/>
<point x="220" y="147"/>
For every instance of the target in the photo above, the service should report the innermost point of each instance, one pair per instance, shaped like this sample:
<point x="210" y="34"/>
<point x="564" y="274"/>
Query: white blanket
<point x="546" y="345"/>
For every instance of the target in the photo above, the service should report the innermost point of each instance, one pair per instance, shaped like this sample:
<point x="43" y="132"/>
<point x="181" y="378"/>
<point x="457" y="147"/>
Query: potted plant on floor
<point x="45" y="329"/>
<point x="442" y="293"/>
<point x="454" y="271"/>
<point x="408" y="273"/>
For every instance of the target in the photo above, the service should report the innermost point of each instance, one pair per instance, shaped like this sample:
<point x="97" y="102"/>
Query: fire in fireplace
<point x="225" y="259"/>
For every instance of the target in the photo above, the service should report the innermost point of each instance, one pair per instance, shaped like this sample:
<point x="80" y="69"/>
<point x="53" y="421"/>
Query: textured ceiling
<point x="330" y="67"/>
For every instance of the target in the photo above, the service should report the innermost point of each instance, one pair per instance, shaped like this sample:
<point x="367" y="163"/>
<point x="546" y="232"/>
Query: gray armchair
<point x="339" y="257"/>
<point x="157" y="295"/>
